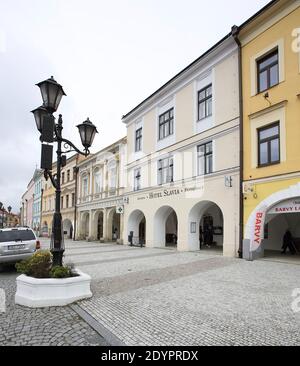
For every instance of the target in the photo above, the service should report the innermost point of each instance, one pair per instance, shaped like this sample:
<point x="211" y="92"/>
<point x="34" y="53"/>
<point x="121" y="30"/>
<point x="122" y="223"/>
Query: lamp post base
<point x="57" y="257"/>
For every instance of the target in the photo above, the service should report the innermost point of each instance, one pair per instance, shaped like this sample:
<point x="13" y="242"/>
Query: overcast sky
<point x="108" y="55"/>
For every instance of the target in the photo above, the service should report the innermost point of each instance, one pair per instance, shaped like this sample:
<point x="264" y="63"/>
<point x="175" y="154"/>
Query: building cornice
<point x="210" y="58"/>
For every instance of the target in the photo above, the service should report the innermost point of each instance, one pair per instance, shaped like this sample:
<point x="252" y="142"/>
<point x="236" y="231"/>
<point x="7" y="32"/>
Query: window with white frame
<point x="98" y="181"/>
<point x="137" y="179"/>
<point x="269" y="145"/>
<point x="165" y="171"/>
<point x="268" y="71"/>
<point x="205" y="102"/>
<point x="138" y="139"/>
<point x="166" y="124"/>
<point x="205" y="158"/>
<point x="113" y="178"/>
<point x="85" y="186"/>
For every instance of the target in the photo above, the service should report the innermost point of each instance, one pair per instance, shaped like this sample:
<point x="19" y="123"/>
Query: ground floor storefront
<point x="68" y="223"/>
<point x="195" y="216"/>
<point x="272" y="217"/>
<point x="102" y="221"/>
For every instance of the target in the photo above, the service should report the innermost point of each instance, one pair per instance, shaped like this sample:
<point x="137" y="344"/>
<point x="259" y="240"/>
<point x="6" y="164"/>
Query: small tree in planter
<point x="41" y="284"/>
<point x="40" y="266"/>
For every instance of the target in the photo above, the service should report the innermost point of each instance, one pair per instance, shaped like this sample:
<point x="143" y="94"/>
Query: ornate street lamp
<point x="87" y="133"/>
<point x="39" y="114"/>
<point x="52" y="93"/>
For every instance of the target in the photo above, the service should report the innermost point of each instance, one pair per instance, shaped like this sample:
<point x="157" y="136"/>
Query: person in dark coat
<point x="287" y="242"/>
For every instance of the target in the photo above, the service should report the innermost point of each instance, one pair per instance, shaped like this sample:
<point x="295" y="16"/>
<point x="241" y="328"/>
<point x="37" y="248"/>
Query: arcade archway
<point x="206" y="226"/>
<point x="137" y="225"/>
<point x="85" y="223"/>
<point x="166" y="227"/>
<point x="68" y="229"/>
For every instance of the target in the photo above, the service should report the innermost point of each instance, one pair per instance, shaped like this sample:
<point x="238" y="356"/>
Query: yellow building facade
<point x="48" y="205"/>
<point x="270" y="45"/>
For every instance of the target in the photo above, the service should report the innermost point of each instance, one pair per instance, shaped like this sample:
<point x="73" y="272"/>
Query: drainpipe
<point x="235" y="34"/>
<point x="41" y="214"/>
<point x="75" y="171"/>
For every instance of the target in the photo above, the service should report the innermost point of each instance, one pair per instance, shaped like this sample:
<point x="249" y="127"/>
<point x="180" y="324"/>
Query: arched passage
<point x="114" y="220"/>
<point x="137" y="224"/>
<point x="280" y="218"/>
<point x="255" y="230"/>
<point x="45" y="229"/>
<point x="68" y="229"/>
<point x="98" y="224"/>
<point x="85" y="222"/>
<point x="206" y="226"/>
<point x="166" y="227"/>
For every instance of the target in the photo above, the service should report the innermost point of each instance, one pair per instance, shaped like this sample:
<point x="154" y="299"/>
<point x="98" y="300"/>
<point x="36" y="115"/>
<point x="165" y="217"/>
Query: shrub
<point x="37" y="266"/>
<point x="60" y="272"/>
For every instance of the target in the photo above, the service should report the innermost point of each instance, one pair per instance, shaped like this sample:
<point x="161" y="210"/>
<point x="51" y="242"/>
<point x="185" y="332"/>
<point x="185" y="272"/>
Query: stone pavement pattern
<point x="60" y="326"/>
<point x="162" y="297"/>
<point x="146" y="296"/>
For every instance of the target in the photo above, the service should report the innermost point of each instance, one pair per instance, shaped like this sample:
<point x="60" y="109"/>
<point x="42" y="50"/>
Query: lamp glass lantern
<point x="87" y="131"/>
<point x="52" y="92"/>
<point x="39" y="115"/>
<point x="9" y="208"/>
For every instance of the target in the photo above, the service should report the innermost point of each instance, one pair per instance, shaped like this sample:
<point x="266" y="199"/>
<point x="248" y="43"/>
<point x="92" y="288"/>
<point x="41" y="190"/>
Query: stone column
<point x="105" y="179"/>
<point x="78" y="198"/>
<point x="78" y="225"/>
<point x="105" y="225"/>
<point x="94" y="226"/>
<point x="91" y="184"/>
<point x="121" y="234"/>
<point x="90" y="237"/>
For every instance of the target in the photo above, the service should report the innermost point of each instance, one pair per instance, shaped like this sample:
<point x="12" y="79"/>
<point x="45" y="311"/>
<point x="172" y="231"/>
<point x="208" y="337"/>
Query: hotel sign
<point x="291" y="206"/>
<point x="170" y="193"/>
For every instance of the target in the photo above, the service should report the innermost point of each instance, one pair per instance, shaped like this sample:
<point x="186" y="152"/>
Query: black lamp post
<point x="52" y="93"/>
<point x="9" y="208"/>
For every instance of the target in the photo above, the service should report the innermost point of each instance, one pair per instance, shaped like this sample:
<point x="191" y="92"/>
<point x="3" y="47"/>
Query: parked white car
<point x="17" y="244"/>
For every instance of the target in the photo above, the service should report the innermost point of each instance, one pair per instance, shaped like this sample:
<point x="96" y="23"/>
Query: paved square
<point x="163" y="297"/>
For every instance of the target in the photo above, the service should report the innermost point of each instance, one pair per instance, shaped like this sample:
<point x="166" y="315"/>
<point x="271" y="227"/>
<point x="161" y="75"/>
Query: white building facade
<point x="100" y="195"/>
<point x="183" y="159"/>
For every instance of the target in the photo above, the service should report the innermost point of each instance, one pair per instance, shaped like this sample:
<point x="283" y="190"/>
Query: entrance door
<point x="208" y="231"/>
<point x="100" y="226"/>
<point x="142" y="231"/>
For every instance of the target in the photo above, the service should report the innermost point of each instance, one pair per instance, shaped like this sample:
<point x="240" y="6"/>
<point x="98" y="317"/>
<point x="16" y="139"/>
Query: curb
<point x="102" y="331"/>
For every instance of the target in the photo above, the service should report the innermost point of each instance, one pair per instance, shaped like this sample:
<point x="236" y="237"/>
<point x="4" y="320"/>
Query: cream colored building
<point x="183" y="158"/>
<point x="100" y="194"/>
<point x="68" y="198"/>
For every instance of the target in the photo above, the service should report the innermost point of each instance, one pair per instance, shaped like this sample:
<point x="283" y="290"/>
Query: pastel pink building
<point x="27" y="205"/>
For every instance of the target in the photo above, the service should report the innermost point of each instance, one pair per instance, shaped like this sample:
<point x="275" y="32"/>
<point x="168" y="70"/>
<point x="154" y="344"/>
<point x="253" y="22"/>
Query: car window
<point x="16" y="235"/>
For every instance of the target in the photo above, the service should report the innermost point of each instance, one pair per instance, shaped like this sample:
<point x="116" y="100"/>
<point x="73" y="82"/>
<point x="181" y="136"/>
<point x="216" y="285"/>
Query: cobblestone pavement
<point x="162" y="297"/>
<point x="146" y="296"/>
<point x="59" y="326"/>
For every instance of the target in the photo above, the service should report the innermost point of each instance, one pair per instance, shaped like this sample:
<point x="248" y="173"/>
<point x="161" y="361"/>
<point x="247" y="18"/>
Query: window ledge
<point x="205" y="118"/>
<point x="268" y="165"/>
<point x="270" y="107"/>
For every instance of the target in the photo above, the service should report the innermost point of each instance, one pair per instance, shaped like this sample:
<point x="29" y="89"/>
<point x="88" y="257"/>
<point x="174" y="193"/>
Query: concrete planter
<point x="39" y="293"/>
